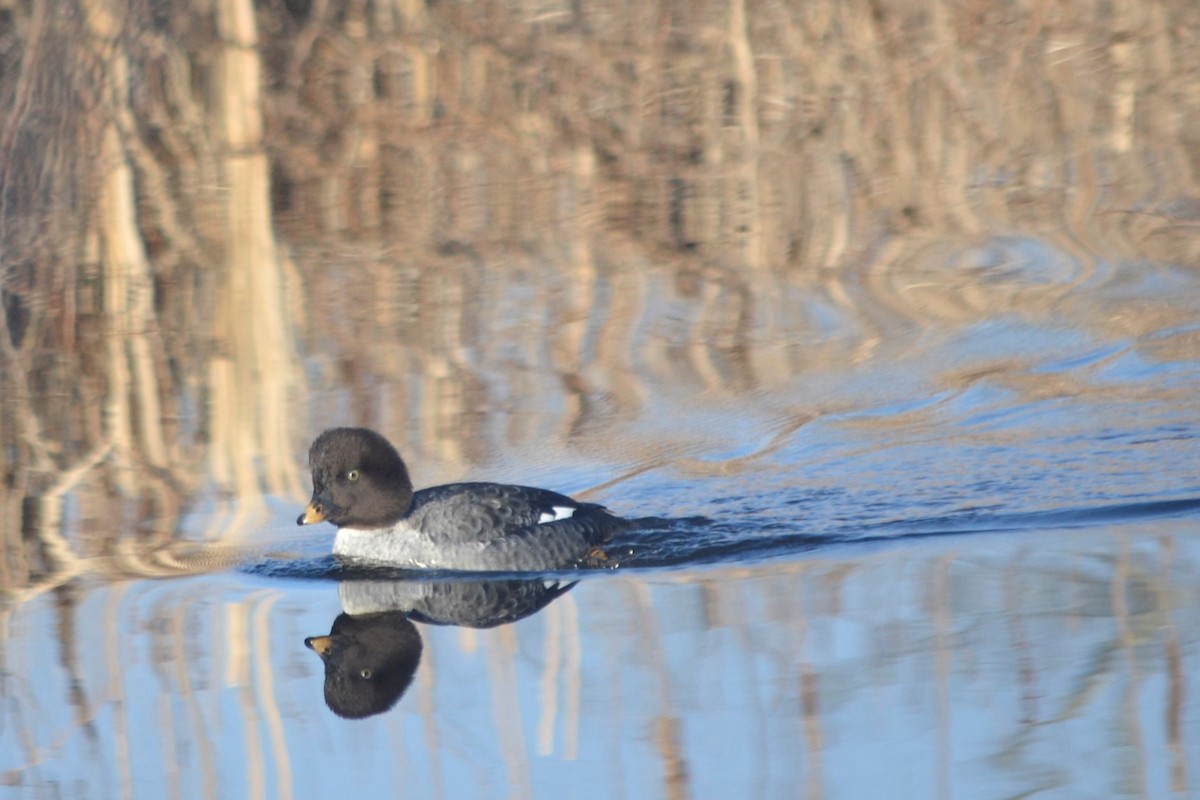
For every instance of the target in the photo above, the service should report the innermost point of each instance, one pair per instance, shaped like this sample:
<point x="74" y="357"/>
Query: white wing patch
<point x="560" y="512"/>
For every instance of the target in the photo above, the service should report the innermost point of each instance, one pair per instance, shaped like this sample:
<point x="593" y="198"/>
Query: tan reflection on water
<point x="216" y="242"/>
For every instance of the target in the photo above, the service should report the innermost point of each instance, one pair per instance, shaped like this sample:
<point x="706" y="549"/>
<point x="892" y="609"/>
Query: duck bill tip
<point x="321" y="645"/>
<point x="312" y="513"/>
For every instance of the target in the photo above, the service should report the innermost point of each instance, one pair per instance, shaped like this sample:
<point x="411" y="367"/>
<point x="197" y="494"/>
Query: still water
<point x="889" y="319"/>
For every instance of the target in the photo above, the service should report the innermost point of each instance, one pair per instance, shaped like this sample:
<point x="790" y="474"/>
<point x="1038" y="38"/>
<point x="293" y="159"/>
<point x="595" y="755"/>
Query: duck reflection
<point x="373" y="648"/>
<point x="369" y="661"/>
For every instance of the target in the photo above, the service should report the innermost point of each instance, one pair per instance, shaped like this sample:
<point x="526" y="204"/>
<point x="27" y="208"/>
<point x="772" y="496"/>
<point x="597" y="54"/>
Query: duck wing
<point x="485" y="512"/>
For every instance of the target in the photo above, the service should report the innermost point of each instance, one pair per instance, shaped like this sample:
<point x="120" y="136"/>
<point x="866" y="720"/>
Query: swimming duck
<point x="361" y="485"/>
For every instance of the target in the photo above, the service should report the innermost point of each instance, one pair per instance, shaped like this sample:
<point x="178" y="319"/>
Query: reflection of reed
<point x="1130" y="722"/>
<point x="500" y="653"/>
<point x="665" y="735"/>
<point x="1176" y="699"/>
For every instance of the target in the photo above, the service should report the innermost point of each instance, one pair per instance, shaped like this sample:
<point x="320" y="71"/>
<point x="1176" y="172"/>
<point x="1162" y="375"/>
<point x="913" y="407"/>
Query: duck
<point x="362" y="486"/>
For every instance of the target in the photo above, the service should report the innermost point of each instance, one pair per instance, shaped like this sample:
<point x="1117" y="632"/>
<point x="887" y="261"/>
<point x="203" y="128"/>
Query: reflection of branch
<point x="14" y="370"/>
<point x="129" y="560"/>
<point x="64" y="563"/>
<point x="705" y="467"/>
<point x="58" y="551"/>
<point x="27" y="420"/>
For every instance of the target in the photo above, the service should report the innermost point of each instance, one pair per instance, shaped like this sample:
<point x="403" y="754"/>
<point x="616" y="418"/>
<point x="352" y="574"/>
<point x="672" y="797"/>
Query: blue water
<point x="988" y="665"/>
<point x="958" y="560"/>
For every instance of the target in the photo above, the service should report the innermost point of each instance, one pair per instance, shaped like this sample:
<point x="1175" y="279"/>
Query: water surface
<point x="1044" y="661"/>
<point x="890" y="320"/>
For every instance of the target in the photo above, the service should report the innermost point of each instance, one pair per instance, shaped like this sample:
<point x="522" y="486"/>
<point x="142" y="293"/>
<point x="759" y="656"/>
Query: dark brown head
<point x="359" y="480"/>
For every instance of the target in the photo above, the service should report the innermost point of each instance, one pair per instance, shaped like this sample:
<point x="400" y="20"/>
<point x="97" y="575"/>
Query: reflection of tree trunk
<point x="254" y="371"/>
<point x="749" y="184"/>
<point x="133" y="391"/>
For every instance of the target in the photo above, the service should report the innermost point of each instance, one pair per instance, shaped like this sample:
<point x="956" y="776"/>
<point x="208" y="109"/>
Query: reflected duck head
<point x="369" y="662"/>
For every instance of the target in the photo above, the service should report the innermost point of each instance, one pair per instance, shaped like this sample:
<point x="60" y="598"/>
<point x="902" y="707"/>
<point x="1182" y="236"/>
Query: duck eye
<point x="352" y="475"/>
<point x="366" y="674"/>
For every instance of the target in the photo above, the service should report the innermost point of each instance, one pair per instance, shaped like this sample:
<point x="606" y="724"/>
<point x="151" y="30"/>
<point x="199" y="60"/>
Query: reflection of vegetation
<point x="433" y="167"/>
<point x="152" y="316"/>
